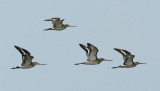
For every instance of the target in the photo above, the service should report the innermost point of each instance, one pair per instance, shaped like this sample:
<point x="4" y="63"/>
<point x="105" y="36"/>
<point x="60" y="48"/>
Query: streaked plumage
<point x="91" y="53"/>
<point x="128" y="59"/>
<point x="26" y="59"/>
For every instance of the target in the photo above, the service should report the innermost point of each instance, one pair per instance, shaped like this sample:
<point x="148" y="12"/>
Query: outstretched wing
<point x="127" y="52"/>
<point x="55" y="20"/>
<point x="92" y="52"/>
<point x="127" y="56"/>
<point x="120" y="51"/>
<point x="129" y="60"/>
<point x="26" y="58"/>
<point x="22" y="51"/>
<point x="59" y="23"/>
<point x="85" y="48"/>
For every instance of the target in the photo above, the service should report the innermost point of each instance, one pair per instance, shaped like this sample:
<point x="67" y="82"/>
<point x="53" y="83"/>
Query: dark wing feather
<point x="120" y="51"/>
<point x="92" y="51"/>
<point x="26" y="58"/>
<point x="127" y="57"/>
<point x="20" y="50"/>
<point x="127" y="52"/>
<point x="85" y="49"/>
<point x="26" y="52"/>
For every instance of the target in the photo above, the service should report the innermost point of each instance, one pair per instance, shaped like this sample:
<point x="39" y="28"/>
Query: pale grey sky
<point x="128" y="24"/>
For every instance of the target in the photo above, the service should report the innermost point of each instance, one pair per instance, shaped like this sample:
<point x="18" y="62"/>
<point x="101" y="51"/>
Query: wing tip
<point x="117" y="49"/>
<point x="89" y="44"/>
<point x="16" y="46"/>
<point x="80" y="44"/>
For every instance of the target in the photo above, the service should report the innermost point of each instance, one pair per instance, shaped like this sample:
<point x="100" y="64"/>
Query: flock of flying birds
<point x="91" y="51"/>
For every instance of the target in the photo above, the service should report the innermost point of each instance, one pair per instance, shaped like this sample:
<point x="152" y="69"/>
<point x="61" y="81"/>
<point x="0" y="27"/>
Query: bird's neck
<point x="99" y="61"/>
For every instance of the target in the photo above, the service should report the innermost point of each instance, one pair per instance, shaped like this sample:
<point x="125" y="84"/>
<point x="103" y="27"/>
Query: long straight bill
<point x="72" y="26"/>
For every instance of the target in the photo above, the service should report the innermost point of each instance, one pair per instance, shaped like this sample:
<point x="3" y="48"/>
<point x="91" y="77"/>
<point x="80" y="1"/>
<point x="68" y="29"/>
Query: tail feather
<point x="15" y="67"/>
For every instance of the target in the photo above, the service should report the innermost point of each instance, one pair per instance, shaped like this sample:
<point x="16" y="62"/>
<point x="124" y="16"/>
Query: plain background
<point x="127" y="24"/>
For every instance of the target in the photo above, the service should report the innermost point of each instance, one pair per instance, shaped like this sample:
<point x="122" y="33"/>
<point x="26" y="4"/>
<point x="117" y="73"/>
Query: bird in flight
<point x="58" y="24"/>
<point x="26" y="59"/>
<point x="128" y="59"/>
<point x="91" y="53"/>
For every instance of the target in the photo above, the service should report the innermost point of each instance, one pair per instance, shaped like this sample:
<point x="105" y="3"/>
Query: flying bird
<point x="58" y="24"/>
<point x="128" y="59"/>
<point x="91" y="53"/>
<point x="26" y="59"/>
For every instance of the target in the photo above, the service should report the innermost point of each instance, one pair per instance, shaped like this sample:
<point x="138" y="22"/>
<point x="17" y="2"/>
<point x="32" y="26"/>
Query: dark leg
<point x="79" y="63"/>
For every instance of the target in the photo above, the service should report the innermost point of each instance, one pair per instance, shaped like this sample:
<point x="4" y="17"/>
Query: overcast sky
<point x="127" y="24"/>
